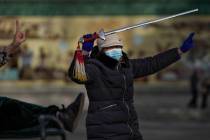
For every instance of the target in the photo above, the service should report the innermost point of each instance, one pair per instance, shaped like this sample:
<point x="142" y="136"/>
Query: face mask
<point x="114" y="53"/>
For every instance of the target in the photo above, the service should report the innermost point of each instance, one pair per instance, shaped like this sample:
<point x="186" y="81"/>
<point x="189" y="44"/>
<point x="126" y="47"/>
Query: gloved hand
<point x="88" y="42"/>
<point x="187" y="44"/>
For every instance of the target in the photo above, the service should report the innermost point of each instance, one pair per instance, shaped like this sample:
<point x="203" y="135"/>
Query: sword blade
<point x="149" y="22"/>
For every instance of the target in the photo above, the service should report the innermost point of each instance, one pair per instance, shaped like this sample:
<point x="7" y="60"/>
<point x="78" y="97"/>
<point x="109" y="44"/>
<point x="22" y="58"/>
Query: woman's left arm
<point x="151" y="65"/>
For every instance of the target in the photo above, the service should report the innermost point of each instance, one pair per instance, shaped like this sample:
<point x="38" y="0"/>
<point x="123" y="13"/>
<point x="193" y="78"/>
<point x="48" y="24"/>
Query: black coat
<point x="111" y="113"/>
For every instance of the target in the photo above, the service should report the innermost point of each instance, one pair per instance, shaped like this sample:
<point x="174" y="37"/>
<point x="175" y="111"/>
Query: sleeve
<point x="151" y="65"/>
<point x="4" y="57"/>
<point x="6" y="54"/>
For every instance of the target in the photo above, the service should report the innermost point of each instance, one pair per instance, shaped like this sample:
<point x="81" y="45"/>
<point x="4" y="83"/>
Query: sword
<point x="102" y="34"/>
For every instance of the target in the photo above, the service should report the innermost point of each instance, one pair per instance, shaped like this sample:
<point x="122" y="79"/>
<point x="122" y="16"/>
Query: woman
<point x="110" y="74"/>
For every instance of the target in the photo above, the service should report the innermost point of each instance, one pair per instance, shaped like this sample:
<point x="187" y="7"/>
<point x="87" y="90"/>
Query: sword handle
<point x="94" y="37"/>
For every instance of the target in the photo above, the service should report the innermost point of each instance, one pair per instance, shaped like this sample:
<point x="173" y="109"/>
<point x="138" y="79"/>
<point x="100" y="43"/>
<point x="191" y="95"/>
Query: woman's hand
<point x="88" y="43"/>
<point x="187" y="44"/>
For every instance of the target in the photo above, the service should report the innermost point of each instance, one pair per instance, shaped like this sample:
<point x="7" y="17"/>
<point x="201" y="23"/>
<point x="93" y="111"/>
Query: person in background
<point x="205" y="90"/>
<point x="194" y="83"/>
<point x="43" y="58"/>
<point x="26" y="59"/>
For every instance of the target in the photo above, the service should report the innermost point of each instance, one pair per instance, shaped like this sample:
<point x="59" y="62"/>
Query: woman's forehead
<point x="111" y="47"/>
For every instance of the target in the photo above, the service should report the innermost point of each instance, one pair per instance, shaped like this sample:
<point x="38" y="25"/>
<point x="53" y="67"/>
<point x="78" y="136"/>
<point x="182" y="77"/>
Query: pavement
<point x="161" y="107"/>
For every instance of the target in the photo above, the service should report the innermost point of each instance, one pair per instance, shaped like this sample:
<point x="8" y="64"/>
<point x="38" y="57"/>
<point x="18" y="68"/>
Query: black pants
<point x="204" y="102"/>
<point x="193" y="101"/>
<point x="204" y="98"/>
<point x="16" y="114"/>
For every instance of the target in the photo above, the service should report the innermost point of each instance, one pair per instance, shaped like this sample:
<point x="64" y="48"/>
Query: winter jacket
<point x="111" y="113"/>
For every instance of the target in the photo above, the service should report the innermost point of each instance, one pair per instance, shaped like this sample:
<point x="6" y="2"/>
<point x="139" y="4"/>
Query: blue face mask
<point x="114" y="53"/>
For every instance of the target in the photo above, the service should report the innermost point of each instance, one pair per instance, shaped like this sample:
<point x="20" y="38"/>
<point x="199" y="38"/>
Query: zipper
<point x="126" y="104"/>
<point x="108" y="106"/>
<point x="125" y="88"/>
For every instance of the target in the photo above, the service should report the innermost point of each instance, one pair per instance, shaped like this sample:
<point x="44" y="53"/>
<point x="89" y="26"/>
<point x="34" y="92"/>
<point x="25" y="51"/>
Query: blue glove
<point x="188" y="43"/>
<point x="88" y="45"/>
